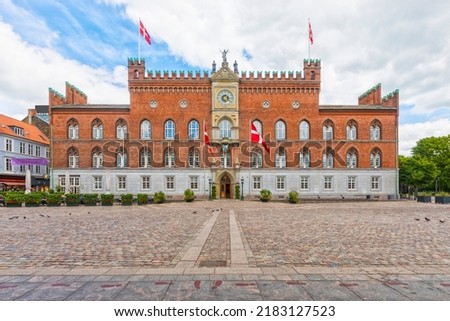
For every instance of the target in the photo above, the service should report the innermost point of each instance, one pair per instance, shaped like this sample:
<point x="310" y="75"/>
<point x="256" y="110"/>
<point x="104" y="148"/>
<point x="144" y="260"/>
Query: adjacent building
<point x="20" y="140"/>
<point x="157" y="141"/>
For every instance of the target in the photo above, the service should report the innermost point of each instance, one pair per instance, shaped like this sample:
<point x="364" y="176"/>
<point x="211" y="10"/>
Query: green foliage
<point x="293" y="197"/>
<point x="159" y="197"/>
<point x="58" y="189"/>
<point x="265" y="195"/>
<point x="72" y="199"/>
<point x="107" y="198"/>
<point x="214" y="192"/>
<point x="126" y="198"/>
<point x="189" y="195"/>
<point x="418" y="172"/>
<point x="32" y="198"/>
<point x="13" y="198"/>
<point x="237" y="192"/>
<point x="54" y="198"/>
<point x="142" y="199"/>
<point x="90" y="198"/>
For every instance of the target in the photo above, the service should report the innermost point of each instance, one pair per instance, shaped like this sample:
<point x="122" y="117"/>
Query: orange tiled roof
<point x="30" y="132"/>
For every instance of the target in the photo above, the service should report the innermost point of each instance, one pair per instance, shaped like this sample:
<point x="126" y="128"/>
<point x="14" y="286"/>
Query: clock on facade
<point x="225" y="97"/>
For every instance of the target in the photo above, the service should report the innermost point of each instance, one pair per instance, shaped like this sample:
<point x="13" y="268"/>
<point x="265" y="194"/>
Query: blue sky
<point x="360" y="43"/>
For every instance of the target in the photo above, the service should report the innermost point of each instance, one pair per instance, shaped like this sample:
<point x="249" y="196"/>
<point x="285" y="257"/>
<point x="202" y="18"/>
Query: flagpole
<point x="139" y="40"/>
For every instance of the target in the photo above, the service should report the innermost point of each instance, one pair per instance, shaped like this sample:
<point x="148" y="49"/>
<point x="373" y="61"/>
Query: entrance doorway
<point x="225" y="187"/>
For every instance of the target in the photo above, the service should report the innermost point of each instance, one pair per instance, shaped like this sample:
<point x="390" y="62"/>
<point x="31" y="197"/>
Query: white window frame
<point x="121" y="183"/>
<point x="22" y="148"/>
<point x="62" y="182"/>
<point x="145" y="158"/>
<point x="280" y="159"/>
<point x="304" y="183"/>
<point x="74" y="131"/>
<point x="145" y="182"/>
<point x="304" y="130"/>
<point x="8" y="165"/>
<point x="225" y="129"/>
<point x="97" y="131"/>
<point x="328" y="183"/>
<point x="146" y="129"/>
<point x="194" y="158"/>
<point x="169" y="158"/>
<point x="97" y="183"/>
<point x="97" y="159"/>
<point x="169" y="130"/>
<point x="257" y="183"/>
<point x="193" y="183"/>
<point x="194" y="130"/>
<point x="169" y="182"/>
<point x="352" y="183"/>
<point x="375" y="183"/>
<point x="280" y="183"/>
<point x="8" y="145"/>
<point x="305" y="159"/>
<point x="74" y="184"/>
<point x="280" y="130"/>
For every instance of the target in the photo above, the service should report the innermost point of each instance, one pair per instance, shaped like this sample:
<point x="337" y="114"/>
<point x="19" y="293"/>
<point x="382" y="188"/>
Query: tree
<point x="436" y="150"/>
<point x="417" y="172"/>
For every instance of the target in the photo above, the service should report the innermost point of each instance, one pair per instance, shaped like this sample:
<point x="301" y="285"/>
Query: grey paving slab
<point x="194" y="290"/>
<point x="97" y="291"/>
<point x="58" y="291"/>
<point x="374" y="291"/>
<point x="419" y="291"/>
<point x="236" y="291"/>
<point x="13" y="291"/>
<point x="143" y="291"/>
<point x="283" y="291"/>
<point x="329" y="291"/>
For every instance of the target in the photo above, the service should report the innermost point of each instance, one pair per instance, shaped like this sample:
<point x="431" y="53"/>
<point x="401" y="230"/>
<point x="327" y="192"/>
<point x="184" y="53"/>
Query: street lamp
<point x="210" y="187"/>
<point x="242" y="188"/>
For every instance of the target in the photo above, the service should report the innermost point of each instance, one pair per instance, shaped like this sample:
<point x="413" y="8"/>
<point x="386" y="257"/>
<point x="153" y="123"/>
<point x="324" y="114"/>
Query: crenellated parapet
<point x="176" y="74"/>
<point x="271" y="75"/>
<point x="371" y="96"/>
<point x="392" y="99"/>
<point x="55" y="98"/>
<point x="75" y="96"/>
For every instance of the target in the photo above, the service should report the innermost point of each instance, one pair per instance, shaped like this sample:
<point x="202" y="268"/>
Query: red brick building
<point x="157" y="141"/>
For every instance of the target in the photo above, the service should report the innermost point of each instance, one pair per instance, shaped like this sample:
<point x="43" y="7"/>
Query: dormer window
<point x="18" y="131"/>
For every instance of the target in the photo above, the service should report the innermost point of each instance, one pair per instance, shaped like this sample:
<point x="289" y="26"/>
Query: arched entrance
<point x="225" y="186"/>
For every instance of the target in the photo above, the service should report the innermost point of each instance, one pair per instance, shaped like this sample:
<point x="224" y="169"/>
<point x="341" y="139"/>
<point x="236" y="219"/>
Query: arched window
<point x="328" y="158"/>
<point x="97" y="158"/>
<point x="121" y="129"/>
<point x="194" y="158"/>
<point x="352" y="158"/>
<point x="225" y="129"/>
<point x="352" y="130"/>
<point x="169" y="129"/>
<point x="121" y="158"/>
<point x="73" y="158"/>
<point x="328" y="130"/>
<point x="146" y="130"/>
<point x="72" y="129"/>
<point x="280" y="130"/>
<point x="257" y="158"/>
<point x="193" y="130"/>
<point x="304" y="130"/>
<point x="225" y="158"/>
<point x="169" y="157"/>
<point x="375" y="158"/>
<point x="97" y="129"/>
<point x="258" y="127"/>
<point x="145" y="158"/>
<point x="280" y="158"/>
<point x="375" y="130"/>
<point x="305" y="158"/>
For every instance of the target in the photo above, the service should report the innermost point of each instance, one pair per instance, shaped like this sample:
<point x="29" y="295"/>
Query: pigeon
<point x="342" y="196"/>
<point x="442" y="221"/>
<point x="427" y="219"/>
<point x="24" y="217"/>
<point x="194" y="212"/>
<point x="48" y="215"/>
<point x="70" y="213"/>
<point x="89" y="212"/>
<point x="42" y="215"/>
<point x="417" y="219"/>
<point x="11" y="218"/>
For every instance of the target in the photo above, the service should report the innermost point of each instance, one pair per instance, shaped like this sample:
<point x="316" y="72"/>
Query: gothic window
<point x="121" y="158"/>
<point x="97" y="129"/>
<point x="280" y="158"/>
<point x="97" y="158"/>
<point x="73" y="129"/>
<point x="352" y="130"/>
<point x="280" y="130"/>
<point x="145" y="158"/>
<point x="375" y="158"/>
<point x="169" y="129"/>
<point x="73" y="157"/>
<point x="304" y="130"/>
<point x="328" y="158"/>
<point x="169" y="157"/>
<point x="121" y="129"/>
<point x="305" y="158"/>
<point x="194" y="158"/>
<point x="352" y="158"/>
<point x="193" y="130"/>
<point x="375" y="130"/>
<point x="225" y="129"/>
<point x="146" y="130"/>
<point x="328" y="130"/>
<point x="257" y="158"/>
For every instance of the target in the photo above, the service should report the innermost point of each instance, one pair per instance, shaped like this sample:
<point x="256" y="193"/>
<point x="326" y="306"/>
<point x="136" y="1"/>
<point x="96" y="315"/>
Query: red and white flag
<point x="311" y="37"/>
<point x="256" y="138"/>
<point x="206" y="139"/>
<point x="144" y="33"/>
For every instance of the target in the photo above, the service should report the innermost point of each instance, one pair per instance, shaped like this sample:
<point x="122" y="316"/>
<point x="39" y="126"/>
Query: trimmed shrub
<point x="90" y="199"/>
<point x="126" y="199"/>
<point x="265" y="195"/>
<point x="159" y="197"/>
<point x="214" y="192"/>
<point x="237" y="192"/>
<point x="32" y="199"/>
<point x="293" y="197"/>
<point x="107" y="199"/>
<point x="142" y="199"/>
<point x="72" y="199"/>
<point x="54" y="199"/>
<point x="14" y="199"/>
<point x="189" y="195"/>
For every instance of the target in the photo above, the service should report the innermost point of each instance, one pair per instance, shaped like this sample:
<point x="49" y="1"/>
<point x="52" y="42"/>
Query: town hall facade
<point x="157" y="141"/>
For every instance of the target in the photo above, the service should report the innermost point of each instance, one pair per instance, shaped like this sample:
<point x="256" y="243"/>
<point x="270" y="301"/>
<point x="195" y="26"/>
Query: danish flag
<point x="144" y="33"/>
<point x="311" y="38"/>
<point x="256" y="138"/>
<point x="206" y="139"/>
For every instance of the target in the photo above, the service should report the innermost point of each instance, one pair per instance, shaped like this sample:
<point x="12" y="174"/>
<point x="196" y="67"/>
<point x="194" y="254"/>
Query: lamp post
<point x="242" y="188"/>
<point x="210" y="187"/>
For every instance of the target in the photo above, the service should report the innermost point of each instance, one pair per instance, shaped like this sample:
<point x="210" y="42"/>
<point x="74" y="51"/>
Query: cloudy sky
<point x="403" y="45"/>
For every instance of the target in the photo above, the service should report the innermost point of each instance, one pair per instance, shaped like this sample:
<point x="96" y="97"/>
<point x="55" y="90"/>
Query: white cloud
<point x="26" y="72"/>
<point x="411" y="133"/>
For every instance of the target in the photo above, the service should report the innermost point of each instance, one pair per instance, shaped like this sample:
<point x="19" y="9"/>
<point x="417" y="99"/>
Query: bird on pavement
<point x="427" y="219"/>
<point x="417" y="219"/>
<point x="442" y="221"/>
<point x="194" y="212"/>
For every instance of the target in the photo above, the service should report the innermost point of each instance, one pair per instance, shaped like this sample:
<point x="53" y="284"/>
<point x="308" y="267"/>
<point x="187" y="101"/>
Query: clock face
<point x="225" y="97"/>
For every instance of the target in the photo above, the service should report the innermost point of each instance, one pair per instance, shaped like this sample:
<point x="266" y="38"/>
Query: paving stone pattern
<point x="227" y="250"/>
